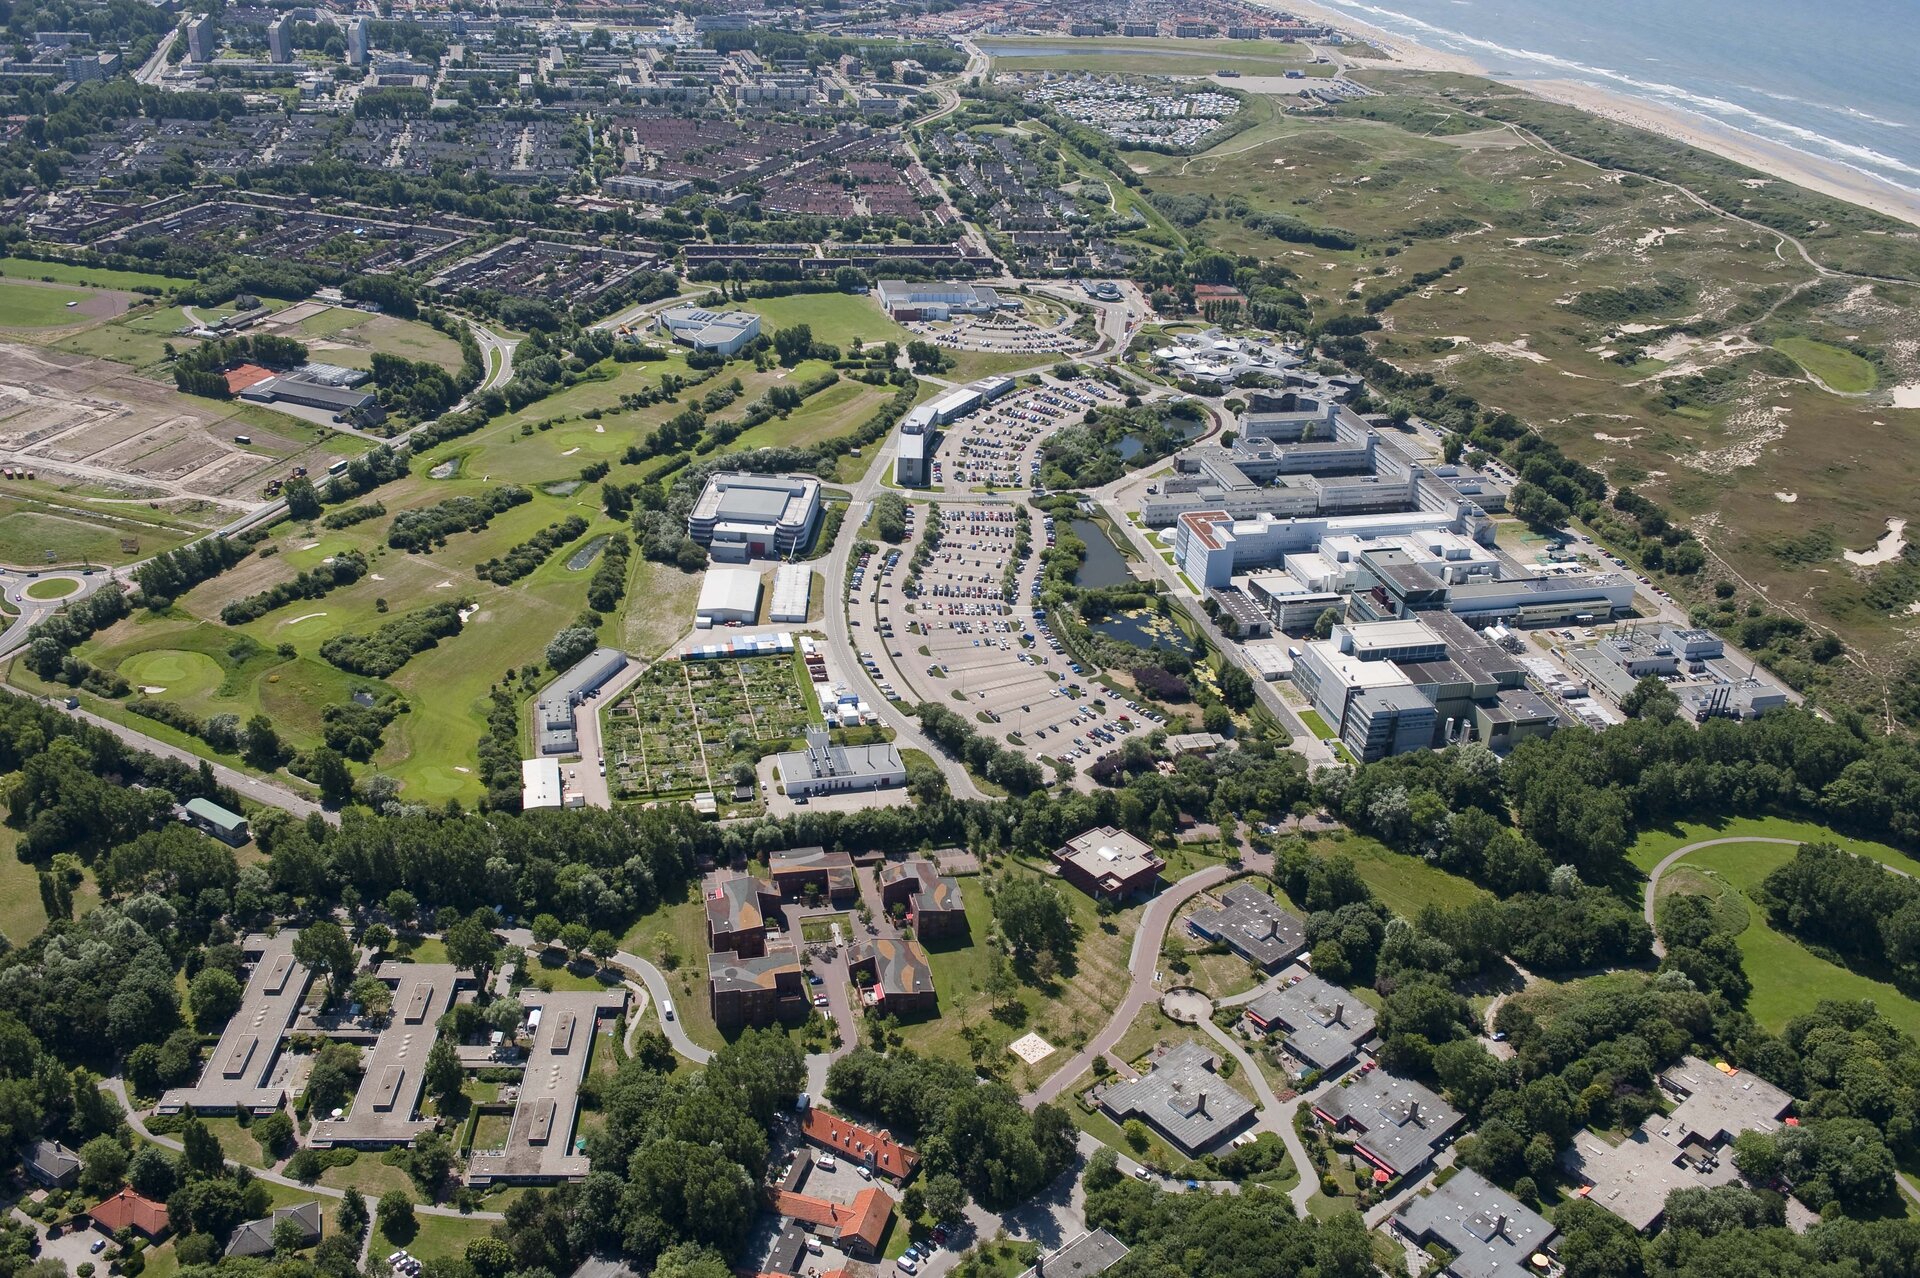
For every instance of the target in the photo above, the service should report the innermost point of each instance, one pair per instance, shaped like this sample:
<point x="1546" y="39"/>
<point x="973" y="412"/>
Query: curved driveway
<point x="662" y="994"/>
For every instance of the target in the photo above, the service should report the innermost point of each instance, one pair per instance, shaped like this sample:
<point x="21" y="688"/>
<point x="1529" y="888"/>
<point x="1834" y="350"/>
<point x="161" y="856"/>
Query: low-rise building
<point x="1182" y="1098"/>
<point x="729" y="596"/>
<point x="209" y="817"/>
<point x="1109" y="863"/>
<point x="727" y="332"/>
<point x="796" y="871"/>
<point x="1324" y="1025"/>
<point x="877" y="1151"/>
<point x="856" y="1228"/>
<point x="899" y="980"/>
<point x="130" y="1211"/>
<point x="826" y="768"/>
<point x="1253" y="926"/>
<point x="931" y="900"/>
<point x="255" y="1237"/>
<point x="738" y="909"/>
<point x="738" y="517"/>
<point x="540" y="784"/>
<point x="930" y="300"/>
<point x="757" y="990"/>
<point x="50" y="1164"/>
<point x="792" y="593"/>
<point x="1490" y="1233"/>
<point x="554" y="724"/>
<point x="1087" y="1256"/>
<point x="1394" y="1123"/>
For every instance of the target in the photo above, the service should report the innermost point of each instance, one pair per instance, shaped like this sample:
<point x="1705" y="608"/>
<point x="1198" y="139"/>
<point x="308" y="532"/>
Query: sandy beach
<point x="1771" y="158"/>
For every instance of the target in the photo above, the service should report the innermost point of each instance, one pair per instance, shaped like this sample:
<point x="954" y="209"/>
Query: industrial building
<point x="1692" y="663"/>
<point x="825" y="768"/>
<point x="792" y="593"/>
<point x="210" y="818"/>
<point x="540" y="784"/>
<point x="931" y="300"/>
<point x="1389" y="687"/>
<point x="554" y="725"/>
<point x="345" y="404"/>
<point x="730" y="595"/>
<point x="727" y="332"/>
<point x="739" y="517"/>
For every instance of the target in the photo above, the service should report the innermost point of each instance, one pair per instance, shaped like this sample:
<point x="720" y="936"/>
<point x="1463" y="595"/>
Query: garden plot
<point x="687" y="726"/>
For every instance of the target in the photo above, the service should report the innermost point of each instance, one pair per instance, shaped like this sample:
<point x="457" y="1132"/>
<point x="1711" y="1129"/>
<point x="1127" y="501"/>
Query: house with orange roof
<point x="128" y="1210"/>
<point x="877" y="1151"/>
<point x="856" y="1228"/>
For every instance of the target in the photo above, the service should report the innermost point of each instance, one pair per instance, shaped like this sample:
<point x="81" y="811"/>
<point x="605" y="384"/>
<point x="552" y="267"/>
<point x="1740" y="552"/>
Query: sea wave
<point x="1859" y="157"/>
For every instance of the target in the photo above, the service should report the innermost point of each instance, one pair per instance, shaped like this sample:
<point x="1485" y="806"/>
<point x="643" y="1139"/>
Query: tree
<point x="489" y="1257"/>
<point x="302" y="501"/>
<point x="288" y="1236"/>
<point x="351" y="1220"/>
<point x="793" y="343"/>
<point x="913" y="1203"/>
<point x="274" y="1132"/>
<point x="471" y="943"/>
<point x="200" y="1150"/>
<point x="153" y="1173"/>
<point x="1001" y="984"/>
<point x="570" y="647"/>
<point x="444" y="1077"/>
<point x="327" y="768"/>
<point x="214" y="996"/>
<point x="1033" y="917"/>
<point x="545" y="928"/>
<point x="374" y="996"/>
<point x="324" y="948"/>
<point x="946" y="1197"/>
<point x="403" y="905"/>
<point x="1650" y="699"/>
<point x="603" y="945"/>
<point x="262" y="747"/>
<point x="103" y="1165"/>
<point x="575" y="937"/>
<point x="395" y="1215"/>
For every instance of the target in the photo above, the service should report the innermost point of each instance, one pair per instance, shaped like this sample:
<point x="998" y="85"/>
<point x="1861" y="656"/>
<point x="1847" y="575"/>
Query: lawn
<point x="551" y="972"/>
<point x="674" y="938"/>
<point x="53" y="588"/>
<point x="837" y="318"/>
<point x="1838" y="368"/>
<point x="40" y="306"/>
<point x="1788" y="979"/>
<point x="1066" y="1015"/>
<point x="22" y="268"/>
<point x="1315" y="724"/>
<point x="21" y="915"/>
<point x="1404" y="884"/>
<point x="833" y="412"/>
<point x="434" y="1238"/>
<point x="1655" y="845"/>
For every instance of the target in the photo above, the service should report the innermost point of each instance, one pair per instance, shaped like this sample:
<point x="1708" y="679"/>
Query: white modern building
<point x="741" y="517"/>
<point x="929" y="300"/>
<point x="540" y="784"/>
<point x="825" y="768"/>
<point x="729" y="595"/>
<point x="727" y="332"/>
<point x="792" y="593"/>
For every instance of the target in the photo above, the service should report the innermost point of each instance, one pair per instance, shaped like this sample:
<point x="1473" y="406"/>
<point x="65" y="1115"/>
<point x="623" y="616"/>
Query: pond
<point x="1130" y="444"/>
<point x="1104" y="564"/>
<point x="1143" y="629"/>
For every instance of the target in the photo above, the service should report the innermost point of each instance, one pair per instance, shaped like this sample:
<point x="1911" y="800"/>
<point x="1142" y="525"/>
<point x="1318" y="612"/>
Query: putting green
<point x="184" y="675"/>
<point x="52" y="588"/>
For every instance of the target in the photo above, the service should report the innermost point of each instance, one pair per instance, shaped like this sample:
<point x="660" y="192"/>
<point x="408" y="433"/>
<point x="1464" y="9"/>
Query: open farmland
<point x="1671" y="346"/>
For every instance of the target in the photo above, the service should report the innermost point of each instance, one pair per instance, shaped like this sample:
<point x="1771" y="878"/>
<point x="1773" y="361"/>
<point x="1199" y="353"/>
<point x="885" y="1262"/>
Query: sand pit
<point x="1884" y="551"/>
<point x="1031" y="1048"/>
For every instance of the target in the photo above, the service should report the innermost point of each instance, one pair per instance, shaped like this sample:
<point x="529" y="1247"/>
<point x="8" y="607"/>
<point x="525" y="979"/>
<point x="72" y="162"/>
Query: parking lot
<point x="999" y="446"/>
<point x="960" y="628"/>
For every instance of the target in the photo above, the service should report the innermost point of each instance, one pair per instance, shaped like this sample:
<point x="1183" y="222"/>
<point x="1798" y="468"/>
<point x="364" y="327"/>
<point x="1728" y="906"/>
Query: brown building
<point x="857" y="1228"/>
<point x="932" y="902"/>
<point x="899" y="978"/>
<point x="758" y="990"/>
<point x="796" y="870"/>
<point x="738" y="907"/>
<point x="877" y="1150"/>
<point x="1110" y="863"/>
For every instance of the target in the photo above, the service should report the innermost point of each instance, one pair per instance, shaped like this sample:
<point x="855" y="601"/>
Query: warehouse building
<point x="729" y="595"/>
<point x="740" y="517"/>
<point x="930" y="300"/>
<point x="792" y="593"/>
<point x="825" y="768"/>
<point x="554" y="726"/>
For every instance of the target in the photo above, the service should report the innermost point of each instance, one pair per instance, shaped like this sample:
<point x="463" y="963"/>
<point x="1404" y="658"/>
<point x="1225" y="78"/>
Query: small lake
<point x="1130" y="444"/>
<point x="1104" y="564"/>
<point x="1143" y="629"/>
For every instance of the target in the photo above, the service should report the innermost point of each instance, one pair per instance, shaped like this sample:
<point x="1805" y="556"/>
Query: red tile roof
<point x="866" y="1219"/>
<point x="238" y="379"/>
<point x="877" y="1150"/>
<point x="128" y="1210"/>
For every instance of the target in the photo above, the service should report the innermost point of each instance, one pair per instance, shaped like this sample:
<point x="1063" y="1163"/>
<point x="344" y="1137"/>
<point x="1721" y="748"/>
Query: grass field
<point x="77" y="534"/>
<point x="21" y="268"/>
<point x="1654" y="845"/>
<point x="55" y="588"/>
<point x="1788" y="980"/>
<point x="834" y="317"/>
<point x="40" y="306"/>
<point x="435" y="1237"/>
<point x="1840" y="370"/>
<point x="1403" y="883"/>
<point x="21" y="915"/>
<point x="674" y="938"/>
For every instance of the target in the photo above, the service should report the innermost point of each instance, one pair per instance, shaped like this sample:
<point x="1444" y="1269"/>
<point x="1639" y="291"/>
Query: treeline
<point x="379" y="654"/>
<point x="352" y="515"/>
<point x="50" y="643"/>
<point x="199" y="371"/>
<point x="531" y="553"/>
<point x="417" y="530"/>
<point x="1377" y="302"/>
<point x="342" y="569"/>
<point x="412" y="389"/>
<point x="167" y="576"/>
<point x="609" y="582"/>
<point x="1851" y="906"/>
<point x="363" y="474"/>
<point x="987" y="758"/>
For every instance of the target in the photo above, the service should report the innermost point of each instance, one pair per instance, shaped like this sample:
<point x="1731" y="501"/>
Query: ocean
<point x="1833" y="80"/>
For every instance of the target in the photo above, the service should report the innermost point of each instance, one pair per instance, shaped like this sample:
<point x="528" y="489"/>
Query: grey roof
<point x="604" y="1267"/>
<point x="1400" y="1123"/>
<point x="1183" y="1099"/>
<point x="255" y="1237"/>
<point x="1324" y="1023"/>
<point x="1489" y="1230"/>
<point x="241" y="1074"/>
<point x="1715" y="1107"/>
<point x="554" y="723"/>
<point x="540" y="1134"/>
<point x="51" y="1159"/>
<point x="1085" y="1257"/>
<point x="1254" y="926"/>
<point x="395" y="1068"/>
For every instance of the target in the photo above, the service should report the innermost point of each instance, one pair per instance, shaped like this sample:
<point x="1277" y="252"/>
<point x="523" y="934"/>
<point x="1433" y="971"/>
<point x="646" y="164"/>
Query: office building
<point x="1252" y="925"/>
<point x="826" y="768"/>
<point x="359" y="40"/>
<point x="726" y="332"/>
<point x="1183" y="1098"/>
<point x="1109" y="863"/>
<point x="740" y="517"/>
<point x="929" y="300"/>
<point x="1488" y="1232"/>
<point x="279" y="40"/>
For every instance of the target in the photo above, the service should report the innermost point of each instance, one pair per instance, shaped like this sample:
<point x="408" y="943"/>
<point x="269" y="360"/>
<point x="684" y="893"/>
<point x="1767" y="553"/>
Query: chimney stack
<point x="1339" y="1013"/>
<point x="1413" y="1111"/>
<point x="1500" y="1226"/>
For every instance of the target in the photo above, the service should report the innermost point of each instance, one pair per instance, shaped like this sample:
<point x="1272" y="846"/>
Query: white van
<point x="666" y="1008"/>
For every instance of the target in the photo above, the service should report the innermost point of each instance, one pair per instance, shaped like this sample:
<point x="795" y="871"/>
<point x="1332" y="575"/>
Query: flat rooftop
<point x="1253" y="925"/>
<point x="1107" y="851"/>
<point x="1087" y="1256"/>
<point x="540" y="1143"/>
<point x="1716" y="1105"/>
<point x="383" y="1108"/>
<point x="1491" y="1233"/>
<point x="240" y="1074"/>
<point x="758" y="500"/>
<point x="1401" y="1123"/>
<point x="1184" y="1099"/>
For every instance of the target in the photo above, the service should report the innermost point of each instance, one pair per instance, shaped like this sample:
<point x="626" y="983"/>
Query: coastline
<point x="1773" y="159"/>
